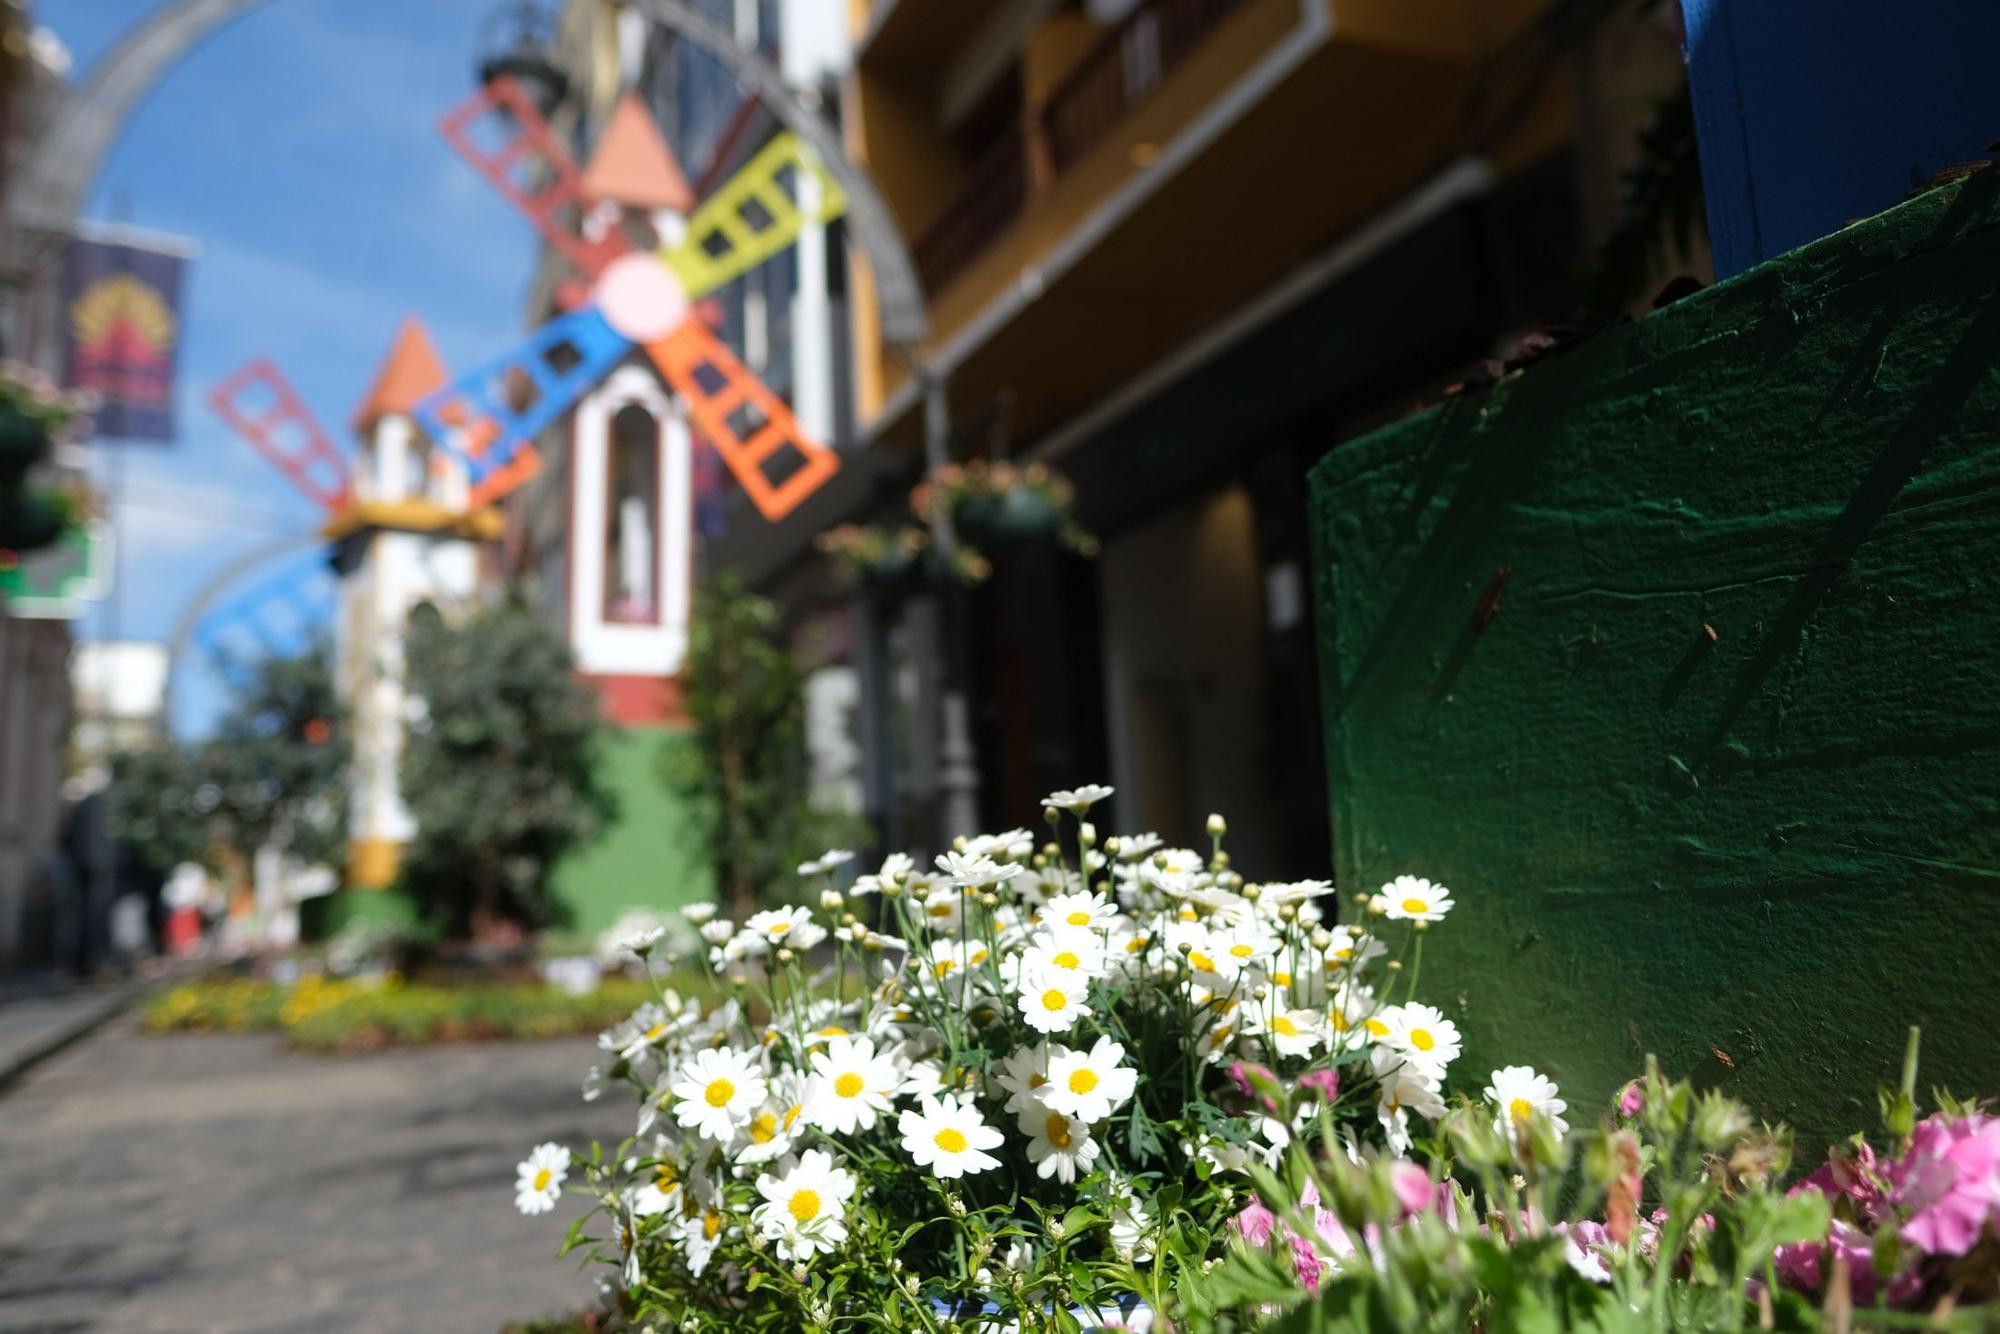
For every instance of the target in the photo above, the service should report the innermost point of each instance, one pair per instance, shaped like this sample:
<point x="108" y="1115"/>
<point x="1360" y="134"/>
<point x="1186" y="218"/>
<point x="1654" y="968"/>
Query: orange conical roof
<point x="633" y="165"/>
<point x="410" y="371"/>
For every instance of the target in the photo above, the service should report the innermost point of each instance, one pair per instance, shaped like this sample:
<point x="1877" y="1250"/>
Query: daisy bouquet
<point x="1020" y="1088"/>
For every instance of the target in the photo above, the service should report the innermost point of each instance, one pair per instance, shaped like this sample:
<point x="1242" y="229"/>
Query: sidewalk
<point x="42" y="1013"/>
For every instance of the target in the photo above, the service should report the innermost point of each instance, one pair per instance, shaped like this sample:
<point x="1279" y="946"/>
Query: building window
<point x="416" y="468"/>
<point x="632" y="527"/>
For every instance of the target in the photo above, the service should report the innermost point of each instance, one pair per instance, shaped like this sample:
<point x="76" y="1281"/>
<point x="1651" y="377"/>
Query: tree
<point x="744" y="773"/>
<point x="273" y="774"/>
<point x="500" y="765"/>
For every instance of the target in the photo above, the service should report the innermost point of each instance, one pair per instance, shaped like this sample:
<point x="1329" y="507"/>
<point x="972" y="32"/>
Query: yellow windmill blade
<point x="757" y="213"/>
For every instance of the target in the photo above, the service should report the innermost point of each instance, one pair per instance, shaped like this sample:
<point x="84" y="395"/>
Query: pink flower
<point x="1242" y="1073"/>
<point x="1949" y="1183"/>
<point x="1255" y="1223"/>
<point x="1632" y="1098"/>
<point x="1412" y="1186"/>
<point x="1306" y="1263"/>
<point x="1326" y="1083"/>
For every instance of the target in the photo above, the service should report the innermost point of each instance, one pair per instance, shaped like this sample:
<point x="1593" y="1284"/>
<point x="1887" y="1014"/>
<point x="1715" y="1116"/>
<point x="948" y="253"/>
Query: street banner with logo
<point x="122" y="333"/>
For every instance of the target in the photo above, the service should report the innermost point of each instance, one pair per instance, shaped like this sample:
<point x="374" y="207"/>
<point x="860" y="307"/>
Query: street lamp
<point x="517" y="42"/>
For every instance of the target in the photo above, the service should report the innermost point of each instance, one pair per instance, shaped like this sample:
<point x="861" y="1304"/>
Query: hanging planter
<point x="996" y="505"/>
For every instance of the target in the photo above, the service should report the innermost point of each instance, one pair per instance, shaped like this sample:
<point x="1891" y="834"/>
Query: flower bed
<point x="1043" y="1099"/>
<point x="336" y="1013"/>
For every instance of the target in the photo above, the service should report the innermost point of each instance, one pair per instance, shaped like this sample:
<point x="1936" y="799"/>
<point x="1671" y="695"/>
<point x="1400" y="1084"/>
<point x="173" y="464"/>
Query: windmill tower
<point x="631" y="498"/>
<point x="403" y="529"/>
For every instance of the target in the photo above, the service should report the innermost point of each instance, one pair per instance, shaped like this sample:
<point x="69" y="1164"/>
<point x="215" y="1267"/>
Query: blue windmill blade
<point x="274" y="617"/>
<point x="477" y="419"/>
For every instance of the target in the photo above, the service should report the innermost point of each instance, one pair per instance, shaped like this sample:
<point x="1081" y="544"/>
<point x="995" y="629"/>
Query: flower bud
<point x="831" y="901"/>
<point x="1217" y="826"/>
<point x="1087" y="831"/>
<point x="785" y="955"/>
<point x="1321" y="938"/>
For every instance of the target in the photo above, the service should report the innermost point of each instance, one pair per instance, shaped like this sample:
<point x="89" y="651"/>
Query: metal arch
<point x="898" y="294"/>
<point x="87" y="120"/>
<point x="205" y="598"/>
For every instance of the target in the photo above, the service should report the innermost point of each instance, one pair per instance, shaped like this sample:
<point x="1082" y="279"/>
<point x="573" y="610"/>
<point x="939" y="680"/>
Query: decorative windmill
<point x="402" y="531"/>
<point x="632" y="297"/>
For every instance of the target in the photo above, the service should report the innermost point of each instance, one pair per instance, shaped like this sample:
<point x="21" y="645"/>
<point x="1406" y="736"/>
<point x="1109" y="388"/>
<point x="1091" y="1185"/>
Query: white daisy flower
<point x="701" y="914"/>
<point x="1023" y="1072"/>
<point x="851" y="1085"/>
<point x="1058" y="1146"/>
<point x="660" y="1191"/>
<point x="1411" y="898"/>
<point x="1350" y="948"/>
<point x="1053" y="1000"/>
<point x="827" y="861"/>
<point x="947" y="1136"/>
<point x="1014" y="845"/>
<point x="1077" y="800"/>
<point x="1404" y="1087"/>
<point x="1068" y="948"/>
<point x="895" y="865"/>
<point x="1290" y="1032"/>
<point x="1080" y="912"/>
<point x="776" y="926"/>
<point x="718" y="931"/>
<point x="971" y="871"/>
<point x="1089" y="1086"/>
<point x="1134" y="847"/>
<point x="803" y="1210"/>
<point x="950" y="961"/>
<point x="641" y="943"/>
<point x="648" y="1025"/>
<point x="1425" y="1035"/>
<point x="1239" y="947"/>
<point x="773" y="1131"/>
<point x="1518" y="1094"/>
<point x="538" y="1182"/>
<point x="1131" y="1225"/>
<point x="700" y="1233"/>
<point x="717" y="1093"/>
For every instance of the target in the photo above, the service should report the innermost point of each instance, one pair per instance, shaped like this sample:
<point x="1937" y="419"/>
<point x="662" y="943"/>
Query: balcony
<point x="1120" y="71"/>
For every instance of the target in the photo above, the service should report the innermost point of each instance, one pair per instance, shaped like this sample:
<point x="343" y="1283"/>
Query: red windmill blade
<point x="532" y="171"/>
<point x="260" y="405"/>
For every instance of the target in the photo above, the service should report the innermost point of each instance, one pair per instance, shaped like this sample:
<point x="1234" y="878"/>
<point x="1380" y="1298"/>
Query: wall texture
<point x="1675" y="656"/>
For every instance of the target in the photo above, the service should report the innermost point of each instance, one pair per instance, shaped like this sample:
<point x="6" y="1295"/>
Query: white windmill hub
<point x="641" y="298"/>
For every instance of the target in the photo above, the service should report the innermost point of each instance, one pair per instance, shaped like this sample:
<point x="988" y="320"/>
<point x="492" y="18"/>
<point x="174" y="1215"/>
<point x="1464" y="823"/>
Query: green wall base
<point x="651" y="856"/>
<point x="1675" y="657"/>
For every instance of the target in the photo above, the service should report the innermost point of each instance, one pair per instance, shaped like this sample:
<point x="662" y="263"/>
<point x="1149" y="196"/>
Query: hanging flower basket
<point x="995" y="505"/>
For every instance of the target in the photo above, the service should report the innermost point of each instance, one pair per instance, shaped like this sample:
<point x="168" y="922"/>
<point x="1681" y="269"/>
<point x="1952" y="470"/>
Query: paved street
<point x="218" y="1183"/>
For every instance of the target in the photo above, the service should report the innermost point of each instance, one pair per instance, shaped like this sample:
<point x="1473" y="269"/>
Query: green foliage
<point x="329" y="1013"/>
<point x="500" y="766"/>
<point x="747" y="777"/>
<point x="273" y="773"/>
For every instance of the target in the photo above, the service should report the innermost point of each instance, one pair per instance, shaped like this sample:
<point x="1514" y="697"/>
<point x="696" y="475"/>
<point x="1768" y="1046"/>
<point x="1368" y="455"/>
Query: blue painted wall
<point x="1813" y="112"/>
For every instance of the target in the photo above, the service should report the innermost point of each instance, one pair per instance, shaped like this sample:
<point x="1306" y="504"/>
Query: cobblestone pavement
<point x="219" y="1183"/>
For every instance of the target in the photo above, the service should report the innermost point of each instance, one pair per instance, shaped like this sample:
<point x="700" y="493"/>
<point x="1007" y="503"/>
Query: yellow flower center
<point x="1339" y="1021"/>
<point x="1520" y="1109"/>
<point x="943" y="967"/>
<point x="1035" y="1081"/>
<point x="792" y="1116"/>
<point x="653" y="1033"/>
<point x="1284" y="1027"/>
<point x="667" y="1178"/>
<point x="847" y="1085"/>
<point x="1282" y="979"/>
<point x="719" y="1093"/>
<point x="1378" y="1028"/>
<point x="542" y="1179"/>
<point x="1067" y="960"/>
<point x="1416" y="905"/>
<point x="763" y="1128"/>
<point x="1201" y="961"/>
<point x="804" y="1205"/>
<point x="979" y="955"/>
<point x="1137" y="943"/>
<point x="939" y="909"/>
<point x="1057" y="1129"/>
<point x="1082" y="1081"/>
<point x="950" y="1139"/>
<point x="833" y="1031"/>
<point x="711" y="1223"/>
<point x="779" y="928"/>
<point x="1053" y="1000"/>
<point x="1421" y="1039"/>
<point x="1079" y="919"/>
<point x="1242" y="951"/>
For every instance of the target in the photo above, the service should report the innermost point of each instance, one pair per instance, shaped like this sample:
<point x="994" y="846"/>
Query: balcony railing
<point x="1124" y="68"/>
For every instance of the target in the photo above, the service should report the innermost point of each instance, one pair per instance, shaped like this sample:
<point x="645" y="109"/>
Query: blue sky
<point x="298" y="147"/>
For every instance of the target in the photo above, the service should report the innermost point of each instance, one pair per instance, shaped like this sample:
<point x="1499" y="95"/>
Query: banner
<point x="122" y="333"/>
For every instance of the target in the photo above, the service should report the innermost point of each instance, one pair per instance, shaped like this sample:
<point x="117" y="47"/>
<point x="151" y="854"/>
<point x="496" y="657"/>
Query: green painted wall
<point x="1760" y="854"/>
<point x="651" y="856"/>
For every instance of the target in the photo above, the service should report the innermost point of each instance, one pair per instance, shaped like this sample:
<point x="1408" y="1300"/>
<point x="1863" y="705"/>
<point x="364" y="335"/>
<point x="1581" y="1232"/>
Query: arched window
<point x="632" y="526"/>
